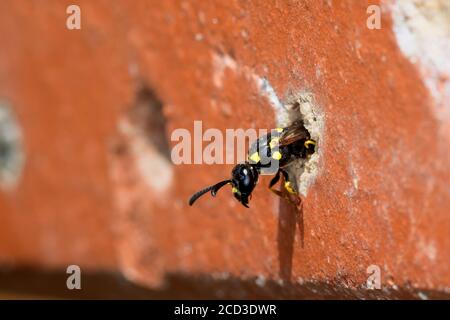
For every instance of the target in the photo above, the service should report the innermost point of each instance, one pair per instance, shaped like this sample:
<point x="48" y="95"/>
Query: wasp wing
<point x="295" y="132"/>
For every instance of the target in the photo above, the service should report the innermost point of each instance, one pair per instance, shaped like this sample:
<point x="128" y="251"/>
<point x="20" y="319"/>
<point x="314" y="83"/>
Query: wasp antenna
<point x="217" y="187"/>
<point x="213" y="189"/>
<point x="199" y="194"/>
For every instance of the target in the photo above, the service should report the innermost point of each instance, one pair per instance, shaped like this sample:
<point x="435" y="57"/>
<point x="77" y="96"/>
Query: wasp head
<point x="243" y="180"/>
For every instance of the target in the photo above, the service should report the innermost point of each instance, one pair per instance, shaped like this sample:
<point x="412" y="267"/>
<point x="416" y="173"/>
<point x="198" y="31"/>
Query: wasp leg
<point x="287" y="185"/>
<point x="274" y="179"/>
<point x="310" y="145"/>
<point x="273" y="182"/>
<point x="293" y="196"/>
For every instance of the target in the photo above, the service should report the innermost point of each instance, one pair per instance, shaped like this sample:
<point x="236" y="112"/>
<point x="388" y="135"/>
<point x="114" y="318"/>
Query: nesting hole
<point x="301" y="107"/>
<point x="143" y="143"/>
<point x="148" y="118"/>
<point x="11" y="150"/>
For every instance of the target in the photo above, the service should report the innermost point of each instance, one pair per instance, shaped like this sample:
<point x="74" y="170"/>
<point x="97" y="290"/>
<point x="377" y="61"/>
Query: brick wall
<point x="87" y="175"/>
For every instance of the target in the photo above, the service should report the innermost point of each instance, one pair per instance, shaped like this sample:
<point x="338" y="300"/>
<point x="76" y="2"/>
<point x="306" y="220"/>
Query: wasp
<point x="281" y="146"/>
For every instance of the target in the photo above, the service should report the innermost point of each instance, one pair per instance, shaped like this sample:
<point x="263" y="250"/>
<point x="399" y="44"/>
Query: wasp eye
<point x="243" y="179"/>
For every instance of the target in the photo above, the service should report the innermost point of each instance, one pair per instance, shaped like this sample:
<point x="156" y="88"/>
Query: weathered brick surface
<point x="98" y="191"/>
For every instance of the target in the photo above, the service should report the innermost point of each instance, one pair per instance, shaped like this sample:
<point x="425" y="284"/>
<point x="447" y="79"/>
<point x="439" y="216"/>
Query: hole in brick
<point x="301" y="107"/>
<point x="11" y="151"/>
<point x="148" y="117"/>
<point x="145" y="144"/>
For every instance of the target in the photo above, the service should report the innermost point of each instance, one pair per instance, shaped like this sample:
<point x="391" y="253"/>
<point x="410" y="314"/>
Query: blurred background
<point x="91" y="92"/>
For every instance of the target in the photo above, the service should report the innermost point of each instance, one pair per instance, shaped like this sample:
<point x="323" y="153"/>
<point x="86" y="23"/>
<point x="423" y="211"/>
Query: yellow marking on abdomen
<point x="276" y="155"/>
<point x="255" y="157"/>
<point x="274" y="142"/>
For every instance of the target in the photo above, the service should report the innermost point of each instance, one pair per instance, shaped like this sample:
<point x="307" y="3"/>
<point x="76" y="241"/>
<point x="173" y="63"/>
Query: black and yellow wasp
<point x="280" y="147"/>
